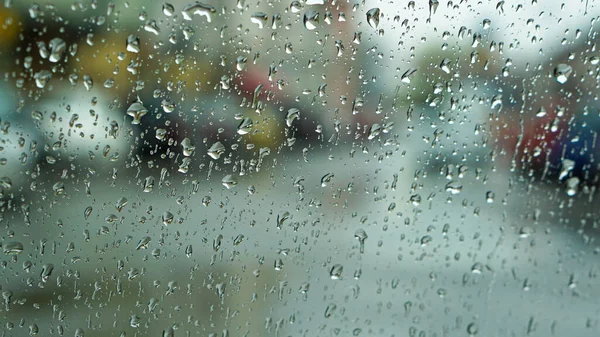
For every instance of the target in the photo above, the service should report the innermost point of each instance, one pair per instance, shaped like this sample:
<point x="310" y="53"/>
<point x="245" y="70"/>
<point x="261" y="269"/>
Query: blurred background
<point x="297" y="168"/>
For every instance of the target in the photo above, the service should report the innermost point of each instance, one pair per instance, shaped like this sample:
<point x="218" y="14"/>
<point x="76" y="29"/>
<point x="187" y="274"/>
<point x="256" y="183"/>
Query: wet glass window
<point x="247" y="168"/>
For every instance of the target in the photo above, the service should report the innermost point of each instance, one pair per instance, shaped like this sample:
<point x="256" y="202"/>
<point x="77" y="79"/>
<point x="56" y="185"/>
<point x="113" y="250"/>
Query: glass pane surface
<point x="299" y="168"/>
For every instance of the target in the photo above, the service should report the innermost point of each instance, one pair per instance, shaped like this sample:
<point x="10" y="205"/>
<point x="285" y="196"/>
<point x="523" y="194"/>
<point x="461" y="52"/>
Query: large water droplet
<point x="304" y="288"/>
<point x="454" y="187"/>
<point x="152" y="27"/>
<point x="567" y="166"/>
<point x="489" y="197"/>
<point x="137" y="111"/>
<point x="87" y="212"/>
<point x="13" y="248"/>
<point x="433" y="5"/>
<point x="373" y="17"/>
<point x="292" y="114"/>
<point x="143" y="243"/>
<point x="46" y="272"/>
<point x="148" y="184"/>
<point x="572" y="186"/>
<point x="260" y="19"/>
<point x="57" y="48"/>
<point x="311" y="19"/>
<point x="336" y="272"/>
<point x="295" y="6"/>
<point x="472" y="329"/>
<point x="229" y="181"/>
<point x="374" y="131"/>
<point x="330" y="310"/>
<point x="562" y="73"/>
<point x="217" y="242"/>
<point x="245" y="126"/>
<point x="168" y="9"/>
<point x="133" y="43"/>
<point x="41" y="78"/>
<point x="88" y="82"/>
<point x="445" y="65"/>
<point x="121" y="203"/>
<point x="216" y="150"/>
<point x="407" y="75"/>
<point x="240" y="63"/>
<point x="188" y="147"/>
<point x="200" y="9"/>
<point x="167" y="218"/>
<point x="361" y="236"/>
<point x="326" y="179"/>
